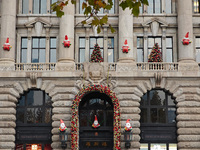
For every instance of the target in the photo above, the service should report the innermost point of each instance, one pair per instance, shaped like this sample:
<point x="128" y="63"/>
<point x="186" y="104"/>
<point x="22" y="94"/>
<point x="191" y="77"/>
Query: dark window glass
<point x="25" y="6"/>
<point x="34" y="107"/>
<point x="169" y="49"/>
<point x="140" y="50"/>
<point x="24" y="50"/>
<point x="52" y="52"/>
<point x="160" y="105"/>
<point x="110" y="50"/>
<point x="197" y="43"/>
<point x="81" y="50"/>
<point x="98" y="41"/>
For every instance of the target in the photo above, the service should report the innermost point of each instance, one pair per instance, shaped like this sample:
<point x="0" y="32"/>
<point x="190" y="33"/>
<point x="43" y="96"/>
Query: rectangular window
<point x="25" y="6"/>
<point x="196" y="6"/>
<point x="39" y="6"/>
<point x="52" y="52"/>
<point x="154" y="7"/>
<point x="81" y="50"/>
<point x="110" y="50"/>
<point x="111" y="11"/>
<point x="53" y="1"/>
<point x="152" y="41"/>
<point x="168" y="6"/>
<point x="140" y="50"/>
<point x="38" y="50"/>
<point x="197" y="42"/>
<point x="24" y="50"/>
<point x="169" y="49"/>
<point x="94" y="41"/>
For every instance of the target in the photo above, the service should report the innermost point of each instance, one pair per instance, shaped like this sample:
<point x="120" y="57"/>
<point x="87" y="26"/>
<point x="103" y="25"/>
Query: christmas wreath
<point x="74" y="120"/>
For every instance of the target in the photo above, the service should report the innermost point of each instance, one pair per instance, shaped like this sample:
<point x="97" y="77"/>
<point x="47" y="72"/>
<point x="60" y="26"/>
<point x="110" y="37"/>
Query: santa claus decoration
<point x="125" y="47"/>
<point x="62" y="126"/>
<point x="186" y="40"/>
<point x="66" y="42"/>
<point x="7" y="46"/>
<point x="128" y="126"/>
<point x="95" y="124"/>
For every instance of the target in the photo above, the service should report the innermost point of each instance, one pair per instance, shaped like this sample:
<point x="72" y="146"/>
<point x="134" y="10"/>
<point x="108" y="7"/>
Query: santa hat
<point x="128" y="120"/>
<point x="61" y="121"/>
<point x="95" y="119"/>
<point x="95" y="124"/>
<point x="62" y="129"/>
<point x="186" y="36"/>
<point x="7" y="40"/>
<point x="66" y="38"/>
<point x="126" y="43"/>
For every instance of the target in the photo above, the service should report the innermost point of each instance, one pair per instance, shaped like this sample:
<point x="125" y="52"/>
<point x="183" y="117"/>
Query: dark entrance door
<point x="98" y="104"/>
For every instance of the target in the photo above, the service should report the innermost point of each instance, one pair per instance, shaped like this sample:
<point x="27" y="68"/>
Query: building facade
<point x="41" y="81"/>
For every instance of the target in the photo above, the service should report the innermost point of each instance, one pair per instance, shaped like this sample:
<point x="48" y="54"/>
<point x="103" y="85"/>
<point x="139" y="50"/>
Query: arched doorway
<point x="99" y="104"/>
<point x="158" y="121"/>
<point x="33" y="123"/>
<point x="104" y="96"/>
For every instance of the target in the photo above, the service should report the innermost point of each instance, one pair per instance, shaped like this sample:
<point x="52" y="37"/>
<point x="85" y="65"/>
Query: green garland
<point x="74" y="121"/>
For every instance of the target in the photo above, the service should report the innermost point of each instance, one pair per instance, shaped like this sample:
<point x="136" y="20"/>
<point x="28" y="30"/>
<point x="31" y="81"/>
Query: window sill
<point x="36" y="15"/>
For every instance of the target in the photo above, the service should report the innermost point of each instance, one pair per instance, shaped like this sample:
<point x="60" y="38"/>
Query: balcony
<point x="35" y="66"/>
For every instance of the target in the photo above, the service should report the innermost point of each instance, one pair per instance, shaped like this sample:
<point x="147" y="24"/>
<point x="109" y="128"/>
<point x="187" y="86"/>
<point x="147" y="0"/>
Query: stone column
<point x="8" y="29"/>
<point x="66" y="55"/>
<point x="126" y="32"/>
<point x="186" y="52"/>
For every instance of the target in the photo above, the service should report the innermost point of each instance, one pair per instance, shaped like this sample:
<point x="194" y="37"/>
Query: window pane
<point x="168" y="6"/>
<point x="158" y="146"/>
<point x="171" y="115"/>
<point x="144" y="100"/>
<point x="82" y="42"/>
<point x="35" y="56"/>
<point x="42" y="42"/>
<point x="157" y="6"/>
<point x="47" y="115"/>
<point x="169" y="42"/>
<point x="83" y="118"/>
<point x="100" y="42"/>
<point x="154" y="115"/>
<point x="112" y="10"/>
<point x="140" y="42"/>
<point x="53" y="1"/>
<point x="150" y="42"/>
<point x="43" y="8"/>
<point x="25" y="6"/>
<point x="197" y="42"/>
<point x="170" y="101"/>
<point x="52" y="56"/>
<point x="143" y="116"/>
<point x="101" y="52"/>
<point x="53" y="43"/>
<point x="24" y="56"/>
<point x="24" y="42"/>
<point x="162" y="115"/>
<point x="197" y="55"/>
<point x="21" y="101"/>
<point x="109" y="118"/>
<point x="141" y="9"/>
<point x="35" y="98"/>
<point x="169" y="55"/>
<point x="110" y="42"/>
<point x="110" y="55"/>
<point x="30" y="115"/>
<point x="196" y="6"/>
<point x="38" y="115"/>
<point x="80" y="6"/>
<point x="20" y="115"/>
<point x="143" y="146"/>
<point x="172" y="146"/>
<point x="92" y="42"/>
<point x="82" y="55"/>
<point x="140" y="55"/>
<point x="158" y="98"/>
<point x="42" y="56"/>
<point x="150" y="7"/>
<point x="35" y="42"/>
<point x="36" y="6"/>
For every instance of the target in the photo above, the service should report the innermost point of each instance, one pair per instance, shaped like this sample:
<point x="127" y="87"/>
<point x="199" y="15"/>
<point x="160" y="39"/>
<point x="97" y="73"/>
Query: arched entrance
<point x="33" y="123"/>
<point x="85" y="101"/>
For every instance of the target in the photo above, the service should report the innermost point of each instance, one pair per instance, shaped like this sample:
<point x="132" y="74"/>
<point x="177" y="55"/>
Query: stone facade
<point x="124" y="77"/>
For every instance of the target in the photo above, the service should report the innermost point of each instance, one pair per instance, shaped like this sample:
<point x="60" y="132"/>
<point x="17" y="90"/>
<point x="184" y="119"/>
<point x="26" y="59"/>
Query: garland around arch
<point x="75" y="118"/>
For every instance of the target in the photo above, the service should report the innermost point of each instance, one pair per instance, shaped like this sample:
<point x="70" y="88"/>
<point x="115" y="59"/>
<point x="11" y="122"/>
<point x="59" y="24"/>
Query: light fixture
<point x="63" y="139"/>
<point x="128" y="138"/>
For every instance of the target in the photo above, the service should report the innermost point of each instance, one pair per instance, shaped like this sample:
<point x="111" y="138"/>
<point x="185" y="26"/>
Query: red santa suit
<point x="62" y="126"/>
<point x="186" y="40"/>
<point x="128" y="126"/>
<point x="7" y="46"/>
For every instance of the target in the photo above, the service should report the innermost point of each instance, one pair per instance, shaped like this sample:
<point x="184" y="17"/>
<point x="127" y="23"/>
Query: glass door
<point x="158" y="146"/>
<point x="33" y="147"/>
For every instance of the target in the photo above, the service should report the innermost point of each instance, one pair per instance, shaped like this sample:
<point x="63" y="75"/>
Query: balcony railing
<point x="151" y="66"/>
<point x="35" y="66"/>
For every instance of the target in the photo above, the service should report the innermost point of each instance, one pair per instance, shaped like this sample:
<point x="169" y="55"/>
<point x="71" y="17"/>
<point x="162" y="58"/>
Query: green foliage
<point x="96" y="54"/>
<point x="156" y="54"/>
<point x="92" y="7"/>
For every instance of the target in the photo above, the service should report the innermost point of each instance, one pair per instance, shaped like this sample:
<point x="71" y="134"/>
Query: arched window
<point x="158" y="121"/>
<point x="98" y="104"/>
<point x="33" y="124"/>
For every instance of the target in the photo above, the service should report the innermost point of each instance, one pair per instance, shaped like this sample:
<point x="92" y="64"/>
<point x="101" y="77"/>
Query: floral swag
<point x="75" y="118"/>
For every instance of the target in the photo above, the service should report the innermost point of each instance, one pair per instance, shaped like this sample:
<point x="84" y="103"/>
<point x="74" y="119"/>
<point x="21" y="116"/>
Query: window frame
<point x="154" y="7"/>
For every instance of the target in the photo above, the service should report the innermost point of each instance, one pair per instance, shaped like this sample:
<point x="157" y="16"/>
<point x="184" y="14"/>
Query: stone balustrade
<point x="35" y="66"/>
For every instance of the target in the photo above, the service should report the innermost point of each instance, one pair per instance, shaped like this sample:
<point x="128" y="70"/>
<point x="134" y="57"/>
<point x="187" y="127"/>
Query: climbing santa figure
<point x="7" y="46"/>
<point x="186" y="40"/>
<point x="95" y="124"/>
<point x="128" y="126"/>
<point x="62" y="126"/>
<point x="66" y="42"/>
